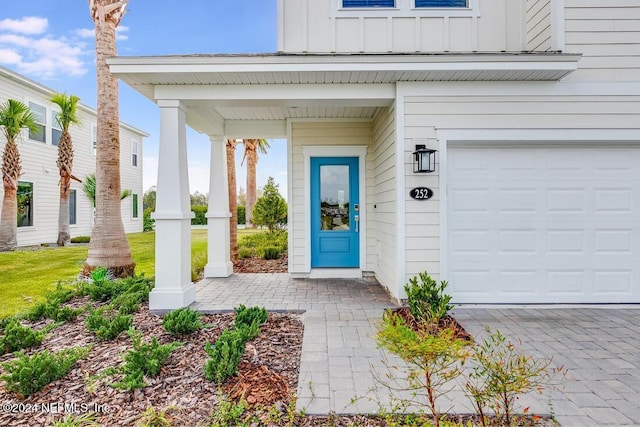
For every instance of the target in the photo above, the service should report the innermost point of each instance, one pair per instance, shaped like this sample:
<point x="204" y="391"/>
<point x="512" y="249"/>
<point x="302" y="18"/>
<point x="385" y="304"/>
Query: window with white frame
<point x="94" y="140"/>
<point x="134" y="153"/>
<point x="440" y="3"/>
<point x="56" y="130"/>
<point x="72" y="208"/>
<point x="368" y="3"/>
<point x="40" y="114"/>
<point x="25" y="204"/>
<point x="134" y="207"/>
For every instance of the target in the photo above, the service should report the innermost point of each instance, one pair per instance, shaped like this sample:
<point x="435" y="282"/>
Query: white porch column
<point x="173" y="288"/>
<point x="218" y="244"/>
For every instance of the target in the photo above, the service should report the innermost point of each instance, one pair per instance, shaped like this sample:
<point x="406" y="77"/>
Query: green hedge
<point x="200" y="218"/>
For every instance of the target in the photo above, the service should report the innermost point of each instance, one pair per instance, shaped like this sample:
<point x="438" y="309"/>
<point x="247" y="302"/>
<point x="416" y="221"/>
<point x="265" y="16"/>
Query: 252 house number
<point x="421" y="193"/>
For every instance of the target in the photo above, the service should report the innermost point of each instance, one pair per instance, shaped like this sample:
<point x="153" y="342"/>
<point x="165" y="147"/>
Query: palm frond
<point x="14" y="116"/>
<point x="68" y="109"/>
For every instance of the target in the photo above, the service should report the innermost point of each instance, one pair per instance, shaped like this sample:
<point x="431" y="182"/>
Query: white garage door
<point x="550" y="224"/>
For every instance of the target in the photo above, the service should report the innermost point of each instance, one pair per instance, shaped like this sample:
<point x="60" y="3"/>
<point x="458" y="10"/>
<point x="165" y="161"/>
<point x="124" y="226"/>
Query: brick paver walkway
<point x="340" y="361"/>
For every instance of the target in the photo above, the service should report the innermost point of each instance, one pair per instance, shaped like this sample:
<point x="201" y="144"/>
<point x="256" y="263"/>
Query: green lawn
<point x="26" y="275"/>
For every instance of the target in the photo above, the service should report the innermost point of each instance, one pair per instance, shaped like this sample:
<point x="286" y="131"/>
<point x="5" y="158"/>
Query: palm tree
<point x="68" y="114"/>
<point x="233" y="200"/>
<point x="14" y="116"/>
<point x="109" y="246"/>
<point x="89" y="189"/>
<point x="251" y="148"/>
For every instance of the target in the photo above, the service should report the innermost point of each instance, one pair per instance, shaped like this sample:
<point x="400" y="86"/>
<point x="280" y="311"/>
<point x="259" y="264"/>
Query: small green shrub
<point x="501" y="373"/>
<point x="427" y="300"/>
<point x="128" y="302"/>
<point x="154" y="418"/>
<point x="17" y="337"/>
<point x="271" y="252"/>
<point x="81" y="239"/>
<point x="29" y="374"/>
<point x="87" y="419"/>
<point x="182" y="321"/>
<point x="145" y="359"/>
<point x="432" y="358"/>
<point x="264" y="239"/>
<point x="198" y="262"/>
<point x="248" y="316"/>
<point x="50" y="308"/>
<point x="245" y="253"/>
<point x="147" y="222"/>
<point x="224" y="355"/>
<point x="107" y="324"/>
<point x="228" y="413"/>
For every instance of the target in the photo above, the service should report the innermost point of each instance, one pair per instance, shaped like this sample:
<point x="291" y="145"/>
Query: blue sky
<point x="51" y="42"/>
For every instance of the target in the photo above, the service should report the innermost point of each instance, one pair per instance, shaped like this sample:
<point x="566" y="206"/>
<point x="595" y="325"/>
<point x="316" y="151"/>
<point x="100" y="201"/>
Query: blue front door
<point x="335" y="212"/>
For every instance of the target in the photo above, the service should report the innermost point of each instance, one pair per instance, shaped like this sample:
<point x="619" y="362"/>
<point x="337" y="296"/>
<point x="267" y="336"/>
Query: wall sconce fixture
<point x="424" y="159"/>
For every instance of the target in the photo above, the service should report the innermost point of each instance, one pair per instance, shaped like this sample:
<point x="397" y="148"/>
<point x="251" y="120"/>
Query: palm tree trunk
<point x="233" y="198"/>
<point x="8" y="220"/>
<point x="250" y="145"/>
<point x="11" y="170"/>
<point x="65" y="162"/>
<point x="109" y="246"/>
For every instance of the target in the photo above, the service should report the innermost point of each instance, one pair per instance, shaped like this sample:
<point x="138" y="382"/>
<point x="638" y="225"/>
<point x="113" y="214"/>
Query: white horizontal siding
<point x="39" y="167"/>
<point x="321" y="133"/>
<point x="383" y="226"/>
<point x="607" y="34"/>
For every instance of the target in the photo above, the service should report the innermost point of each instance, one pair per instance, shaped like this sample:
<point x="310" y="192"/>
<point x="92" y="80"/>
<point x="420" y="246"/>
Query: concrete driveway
<point x="599" y="345"/>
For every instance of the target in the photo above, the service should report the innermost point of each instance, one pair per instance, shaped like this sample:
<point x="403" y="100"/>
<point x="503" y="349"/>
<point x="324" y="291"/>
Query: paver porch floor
<point x="340" y="360"/>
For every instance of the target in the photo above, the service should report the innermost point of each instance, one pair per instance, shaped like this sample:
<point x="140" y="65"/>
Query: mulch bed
<point x="269" y="372"/>
<point x="258" y="265"/>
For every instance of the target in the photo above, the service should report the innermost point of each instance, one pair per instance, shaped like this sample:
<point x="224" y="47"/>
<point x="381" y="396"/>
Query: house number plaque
<point x="421" y="193"/>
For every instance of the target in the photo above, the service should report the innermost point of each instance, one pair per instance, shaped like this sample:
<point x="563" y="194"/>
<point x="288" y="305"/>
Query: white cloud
<point x="28" y="25"/>
<point x="85" y="33"/>
<point x="46" y="56"/>
<point x="120" y="30"/>
<point x="9" y="56"/>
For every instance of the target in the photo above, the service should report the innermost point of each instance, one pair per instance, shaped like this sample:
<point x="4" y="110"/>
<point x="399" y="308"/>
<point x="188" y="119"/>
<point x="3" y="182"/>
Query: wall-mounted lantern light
<point x="424" y="159"/>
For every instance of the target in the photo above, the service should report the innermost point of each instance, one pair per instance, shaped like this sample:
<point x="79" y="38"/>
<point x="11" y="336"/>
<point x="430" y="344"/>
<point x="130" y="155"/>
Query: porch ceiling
<point x="272" y="87"/>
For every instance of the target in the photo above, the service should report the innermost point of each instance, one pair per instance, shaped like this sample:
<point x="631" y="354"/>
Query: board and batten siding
<point x="323" y="26"/>
<point x="607" y="34"/>
<point x="496" y="106"/>
<point x="383" y="222"/>
<point x="39" y="167"/>
<point x="538" y="25"/>
<point x="324" y="133"/>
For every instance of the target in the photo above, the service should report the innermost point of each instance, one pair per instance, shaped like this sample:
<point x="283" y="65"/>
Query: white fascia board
<point x="276" y="129"/>
<point x="359" y="63"/>
<point x="375" y="92"/>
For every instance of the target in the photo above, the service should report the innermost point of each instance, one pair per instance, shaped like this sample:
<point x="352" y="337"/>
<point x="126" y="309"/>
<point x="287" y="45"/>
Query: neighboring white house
<point x="533" y="107"/>
<point x="38" y="192"/>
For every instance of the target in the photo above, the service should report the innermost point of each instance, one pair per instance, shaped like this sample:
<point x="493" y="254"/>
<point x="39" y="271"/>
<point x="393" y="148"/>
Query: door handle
<point x="357" y="220"/>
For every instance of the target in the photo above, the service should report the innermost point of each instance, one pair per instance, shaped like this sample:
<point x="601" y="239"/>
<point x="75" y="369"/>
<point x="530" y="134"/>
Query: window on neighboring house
<point x="134" y="153"/>
<point x="40" y="114"/>
<point x="441" y="3"/>
<point x="25" y="204"/>
<point x="94" y="140"/>
<point x="72" y="207"/>
<point x="368" y="3"/>
<point x="56" y="131"/>
<point x="134" y="210"/>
